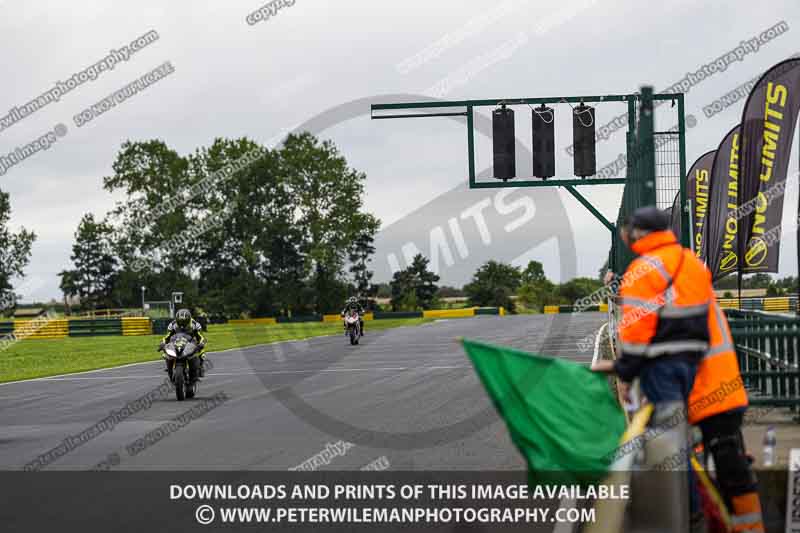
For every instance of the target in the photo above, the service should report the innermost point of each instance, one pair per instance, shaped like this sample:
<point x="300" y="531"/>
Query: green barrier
<point x="92" y="328"/>
<point x="379" y="315"/>
<point x="160" y="325"/>
<point x="6" y="327"/>
<point x="767" y="349"/>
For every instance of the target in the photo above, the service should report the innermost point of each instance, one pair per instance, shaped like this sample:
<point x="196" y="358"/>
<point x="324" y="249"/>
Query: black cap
<point x="649" y="218"/>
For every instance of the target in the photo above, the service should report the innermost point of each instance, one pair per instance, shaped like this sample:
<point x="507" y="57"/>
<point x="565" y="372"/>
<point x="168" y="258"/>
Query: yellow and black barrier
<point x="47" y="328"/>
<point x="253" y="321"/>
<point x="777" y="304"/>
<point x="556" y="309"/>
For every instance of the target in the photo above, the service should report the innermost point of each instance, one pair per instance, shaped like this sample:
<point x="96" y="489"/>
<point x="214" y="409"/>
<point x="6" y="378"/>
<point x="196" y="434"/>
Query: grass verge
<point x="49" y="357"/>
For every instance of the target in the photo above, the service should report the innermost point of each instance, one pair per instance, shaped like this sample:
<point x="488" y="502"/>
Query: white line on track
<point x="597" y="343"/>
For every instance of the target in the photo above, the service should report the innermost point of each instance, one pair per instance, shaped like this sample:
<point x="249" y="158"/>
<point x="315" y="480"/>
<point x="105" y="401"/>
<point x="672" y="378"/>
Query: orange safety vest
<point x="665" y="296"/>
<point x="718" y="386"/>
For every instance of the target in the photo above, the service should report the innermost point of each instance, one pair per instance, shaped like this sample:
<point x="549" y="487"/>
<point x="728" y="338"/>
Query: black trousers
<point x="722" y="437"/>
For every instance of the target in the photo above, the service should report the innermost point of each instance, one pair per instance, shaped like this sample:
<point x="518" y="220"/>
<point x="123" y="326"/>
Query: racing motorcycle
<point x="182" y="354"/>
<point x="352" y="323"/>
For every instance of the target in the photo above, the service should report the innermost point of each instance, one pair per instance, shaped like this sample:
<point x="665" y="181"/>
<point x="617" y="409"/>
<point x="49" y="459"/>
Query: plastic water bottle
<point x="769" y="446"/>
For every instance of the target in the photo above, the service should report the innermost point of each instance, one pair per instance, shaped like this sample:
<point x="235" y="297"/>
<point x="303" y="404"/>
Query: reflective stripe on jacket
<point x="665" y="296"/>
<point x="718" y="385"/>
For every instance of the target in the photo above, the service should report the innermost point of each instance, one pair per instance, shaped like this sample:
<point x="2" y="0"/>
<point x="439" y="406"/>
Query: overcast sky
<point x="232" y="79"/>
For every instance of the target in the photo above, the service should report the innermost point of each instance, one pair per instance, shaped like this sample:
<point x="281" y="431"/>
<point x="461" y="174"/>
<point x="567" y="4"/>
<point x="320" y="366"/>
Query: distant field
<point x="40" y="358"/>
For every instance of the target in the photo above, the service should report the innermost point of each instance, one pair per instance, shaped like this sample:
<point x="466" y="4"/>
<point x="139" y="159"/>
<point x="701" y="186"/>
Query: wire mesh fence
<point x="668" y="168"/>
<point x="653" y="173"/>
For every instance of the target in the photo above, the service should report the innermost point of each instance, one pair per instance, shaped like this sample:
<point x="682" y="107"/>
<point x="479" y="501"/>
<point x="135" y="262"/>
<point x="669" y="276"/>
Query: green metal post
<point x="470" y="147"/>
<point x="685" y="235"/>
<point x="597" y="214"/>
<point x="645" y="149"/>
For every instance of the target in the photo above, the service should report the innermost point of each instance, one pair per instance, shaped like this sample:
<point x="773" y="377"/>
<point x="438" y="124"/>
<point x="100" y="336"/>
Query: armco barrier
<point x="41" y="328"/>
<point x="777" y="304"/>
<point x="93" y="328"/>
<point x="379" y="315"/>
<point x="553" y="309"/>
<point x="449" y="313"/>
<point x="337" y="318"/>
<point x="253" y="321"/>
<point x="490" y="311"/>
<point x="136" y="326"/>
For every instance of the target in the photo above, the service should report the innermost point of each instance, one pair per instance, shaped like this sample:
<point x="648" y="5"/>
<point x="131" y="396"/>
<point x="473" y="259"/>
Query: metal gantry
<point x="640" y="181"/>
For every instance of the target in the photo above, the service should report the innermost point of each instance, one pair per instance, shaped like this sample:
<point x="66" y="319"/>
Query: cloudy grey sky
<point x="233" y="79"/>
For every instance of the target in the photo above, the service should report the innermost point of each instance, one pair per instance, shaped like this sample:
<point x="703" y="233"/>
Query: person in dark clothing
<point x="353" y="305"/>
<point x="184" y="323"/>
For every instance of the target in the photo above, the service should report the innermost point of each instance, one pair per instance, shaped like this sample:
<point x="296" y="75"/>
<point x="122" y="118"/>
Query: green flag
<point x="561" y="415"/>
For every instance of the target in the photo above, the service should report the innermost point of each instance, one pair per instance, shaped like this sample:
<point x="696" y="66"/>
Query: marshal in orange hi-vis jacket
<point x="718" y="386"/>
<point x="665" y="294"/>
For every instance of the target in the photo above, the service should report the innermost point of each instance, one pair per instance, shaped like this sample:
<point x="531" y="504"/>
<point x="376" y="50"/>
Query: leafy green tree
<point x="577" y="288"/>
<point x="95" y="265"/>
<point x="328" y="206"/>
<point x="250" y="231"/>
<point x="15" y="253"/>
<point x="536" y="290"/>
<point x="149" y="173"/>
<point x="493" y="285"/>
<point x="450" y="292"/>
<point x="360" y="255"/>
<point x="69" y="287"/>
<point x="383" y="290"/>
<point x="414" y="287"/>
<point x="533" y="273"/>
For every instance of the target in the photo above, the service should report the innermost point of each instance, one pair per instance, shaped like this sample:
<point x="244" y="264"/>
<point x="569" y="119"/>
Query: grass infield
<point x="49" y="357"/>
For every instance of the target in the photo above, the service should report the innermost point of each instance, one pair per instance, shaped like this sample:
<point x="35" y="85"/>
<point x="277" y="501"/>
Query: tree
<point x="415" y="287"/>
<point x="383" y="290"/>
<point x="69" y="287"/>
<point x="536" y="290"/>
<point x="450" y="292"/>
<point x="772" y="290"/>
<point x="577" y="288"/>
<point x="493" y="285"/>
<point x="533" y="273"/>
<point x="149" y="173"/>
<point x="249" y="230"/>
<point x="95" y="266"/>
<point x="328" y="198"/>
<point x="15" y="253"/>
<point x="537" y="295"/>
<point x="360" y="254"/>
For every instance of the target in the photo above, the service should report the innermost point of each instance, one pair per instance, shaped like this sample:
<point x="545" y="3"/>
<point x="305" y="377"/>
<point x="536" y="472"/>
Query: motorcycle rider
<point x="352" y="304"/>
<point x="184" y="323"/>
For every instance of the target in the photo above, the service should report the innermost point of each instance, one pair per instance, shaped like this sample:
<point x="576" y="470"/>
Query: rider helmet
<point x="183" y="318"/>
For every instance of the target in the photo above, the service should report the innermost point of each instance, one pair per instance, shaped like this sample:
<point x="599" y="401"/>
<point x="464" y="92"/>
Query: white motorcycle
<point x="352" y="324"/>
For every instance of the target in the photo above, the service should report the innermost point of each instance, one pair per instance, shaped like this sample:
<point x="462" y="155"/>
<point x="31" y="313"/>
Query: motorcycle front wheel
<point x="180" y="382"/>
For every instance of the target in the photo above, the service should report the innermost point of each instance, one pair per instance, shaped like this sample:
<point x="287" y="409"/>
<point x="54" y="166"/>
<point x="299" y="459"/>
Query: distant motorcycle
<point x="183" y="364"/>
<point x="352" y="323"/>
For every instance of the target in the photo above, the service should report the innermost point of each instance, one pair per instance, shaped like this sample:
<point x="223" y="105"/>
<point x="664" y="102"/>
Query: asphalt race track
<point x="406" y="397"/>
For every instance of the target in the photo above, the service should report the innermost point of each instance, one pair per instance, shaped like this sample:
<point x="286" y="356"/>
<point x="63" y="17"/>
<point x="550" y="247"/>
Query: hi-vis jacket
<point x="665" y="295"/>
<point x="718" y="386"/>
